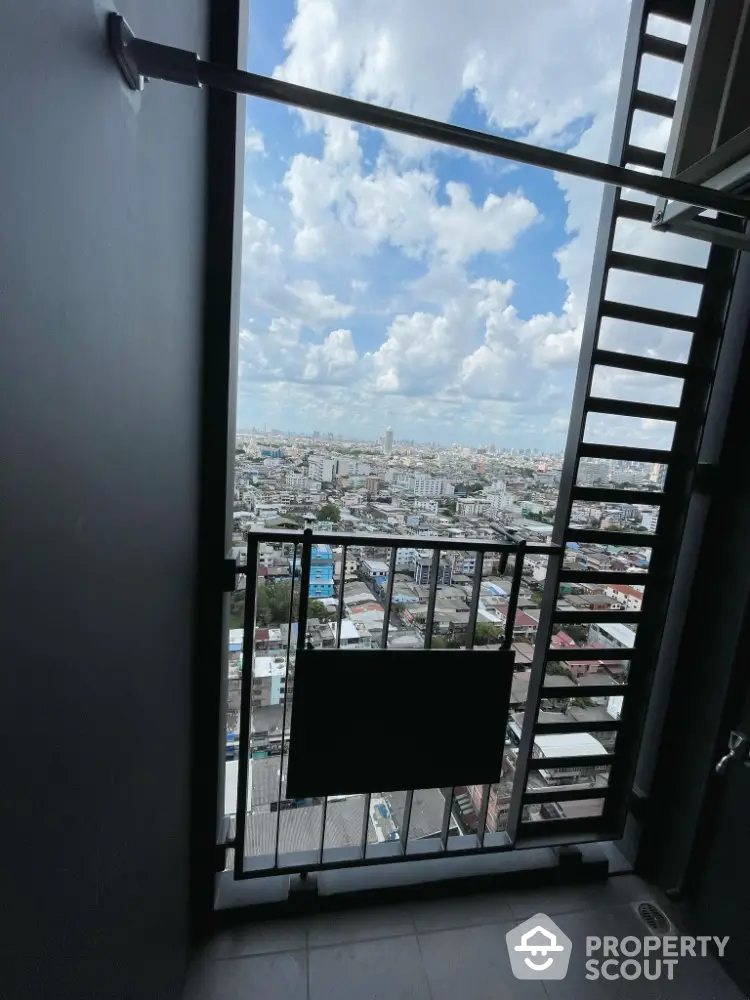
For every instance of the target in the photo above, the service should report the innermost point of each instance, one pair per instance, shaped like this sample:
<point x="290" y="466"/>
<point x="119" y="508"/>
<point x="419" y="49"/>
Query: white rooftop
<point x="568" y="745"/>
<point x="348" y="630"/>
<point x="269" y="666"/>
<point x="619" y="632"/>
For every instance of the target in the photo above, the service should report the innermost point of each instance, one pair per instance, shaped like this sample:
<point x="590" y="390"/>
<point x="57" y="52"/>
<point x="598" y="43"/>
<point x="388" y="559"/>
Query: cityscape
<point x="290" y="481"/>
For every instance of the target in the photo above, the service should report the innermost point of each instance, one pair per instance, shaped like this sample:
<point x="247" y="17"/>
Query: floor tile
<point x="571" y="899"/>
<point x="282" y="976"/>
<point x="389" y="969"/>
<point x="256" y="938"/>
<point x="364" y="924"/>
<point x="464" y="911"/>
<point x="693" y="978"/>
<point x="473" y="962"/>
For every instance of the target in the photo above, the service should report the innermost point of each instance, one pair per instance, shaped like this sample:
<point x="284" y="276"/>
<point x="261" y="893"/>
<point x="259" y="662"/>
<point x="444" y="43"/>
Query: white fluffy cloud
<point x="536" y="68"/>
<point x="338" y="205"/>
<point x="454" y="350"/>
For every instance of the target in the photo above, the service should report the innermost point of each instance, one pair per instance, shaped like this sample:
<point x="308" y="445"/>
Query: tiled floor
<point x="444" y="950"/>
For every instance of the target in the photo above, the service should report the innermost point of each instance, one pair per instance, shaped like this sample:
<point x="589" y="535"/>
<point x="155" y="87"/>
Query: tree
<point x="485" y="634"/>
<point x="329" y="512"/>
<point x="578" y="633"/>
<point x="316" y="609"/>
<point x="558" y="670"/>
<point x="272" y="605"/>
<point x="237" y="609"/>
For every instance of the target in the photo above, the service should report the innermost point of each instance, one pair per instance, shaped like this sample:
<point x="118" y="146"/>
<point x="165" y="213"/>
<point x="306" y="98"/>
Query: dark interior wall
<point x="689" y="730"/>
<point x="102" y="196"/>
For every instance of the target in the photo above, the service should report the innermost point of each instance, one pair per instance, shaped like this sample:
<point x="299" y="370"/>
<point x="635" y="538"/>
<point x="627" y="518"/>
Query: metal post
<point x="429" y="623"/>
<point x="510" y="620"/>
<point x="246" y="683"/>
<point x="286" y="704"/>
<point x="474" y="603"/>
<point x="342" y="585"/>
<point x="388" y="598"/>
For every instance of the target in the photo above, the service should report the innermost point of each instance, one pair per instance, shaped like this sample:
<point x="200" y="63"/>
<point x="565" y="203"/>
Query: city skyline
<point x="326" y="436"/>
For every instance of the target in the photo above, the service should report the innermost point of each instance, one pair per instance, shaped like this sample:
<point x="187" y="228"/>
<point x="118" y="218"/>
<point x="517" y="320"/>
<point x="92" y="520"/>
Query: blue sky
<point x="390" y="281"/>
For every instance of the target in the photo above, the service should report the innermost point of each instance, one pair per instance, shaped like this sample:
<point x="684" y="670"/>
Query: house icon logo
<point x="538" y="949"/>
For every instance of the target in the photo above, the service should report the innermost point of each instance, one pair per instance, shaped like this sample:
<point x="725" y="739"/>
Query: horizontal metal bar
<point x="579" y="654"/>
<point x="624" y="453"/>
<point x="584" y="617"/>
<point x="631" y="408"/>
<point x="675" y="10"/>
<point x="654" y="104"/>
<point x="402" y="541"/>
<point x="531" y="798"/>
<point x="640" y="156"/>
<point x="603" y="495"/>
<point x="664" y="48"/>
<point x="156" y="61"/>
<point x="637" y="210"/>
<point x="639" y="363"/>
<point x="656" y="268"/>
<point x="650" y="317"/>
<point x="584" y="691"/>
<point x="629" y="539"/>
<point x="600" y="726"/>
<point x="595" y="577"/>
<point x="553" y="763"/>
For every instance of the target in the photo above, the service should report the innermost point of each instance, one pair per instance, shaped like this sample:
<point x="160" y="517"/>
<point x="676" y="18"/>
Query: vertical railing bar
<point x="474" y="603"/>
<point x="286" y="703"/>
<point x="406" y="820"/>
<point x="502" y="564"/>
<point x="246" y="683"/>
<point x="447" y="815"/>
<point x="510" y="620"/>
<point x="388" y="598"/>
<point x="365" y="826"/>
<point x="428" y="625"/>
<point x="482" y="817"/>
<point x="340" y="612"/>
<point x="323" y="830"/>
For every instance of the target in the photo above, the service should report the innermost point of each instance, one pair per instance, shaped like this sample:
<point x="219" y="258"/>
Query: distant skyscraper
<point x="388" y="441"/>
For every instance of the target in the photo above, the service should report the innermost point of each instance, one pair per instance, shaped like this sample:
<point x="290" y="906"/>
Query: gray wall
<point x="102" y="197"/>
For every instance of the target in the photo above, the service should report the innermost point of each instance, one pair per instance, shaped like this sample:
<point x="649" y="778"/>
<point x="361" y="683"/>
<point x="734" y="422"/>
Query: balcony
<point x="443" y="948"/>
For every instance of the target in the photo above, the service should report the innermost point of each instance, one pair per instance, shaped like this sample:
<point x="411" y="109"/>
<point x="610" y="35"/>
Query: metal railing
<point x="280" y="836"/>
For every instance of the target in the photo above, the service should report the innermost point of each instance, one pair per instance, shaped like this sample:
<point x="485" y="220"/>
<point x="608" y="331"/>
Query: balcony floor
<point x="440" y="950"/>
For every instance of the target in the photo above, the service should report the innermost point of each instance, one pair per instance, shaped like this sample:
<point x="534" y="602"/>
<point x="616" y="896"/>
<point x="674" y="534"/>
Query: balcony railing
<point x="396" y="732"/>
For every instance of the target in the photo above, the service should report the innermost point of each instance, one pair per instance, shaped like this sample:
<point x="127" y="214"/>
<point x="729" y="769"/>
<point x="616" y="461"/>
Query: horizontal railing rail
<point x="399" y="542"/>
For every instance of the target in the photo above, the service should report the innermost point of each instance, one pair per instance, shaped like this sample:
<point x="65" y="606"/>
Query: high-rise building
<point x="320" y="468"/>
<point x="388" y="441"/>
<point x="427" y="486"/>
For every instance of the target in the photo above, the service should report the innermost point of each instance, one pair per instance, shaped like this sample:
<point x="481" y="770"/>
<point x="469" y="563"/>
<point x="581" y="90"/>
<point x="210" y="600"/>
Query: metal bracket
<point x="140" y="60"/>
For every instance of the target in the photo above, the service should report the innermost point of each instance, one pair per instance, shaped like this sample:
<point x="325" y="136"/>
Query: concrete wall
<point x="102" y="196"/>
